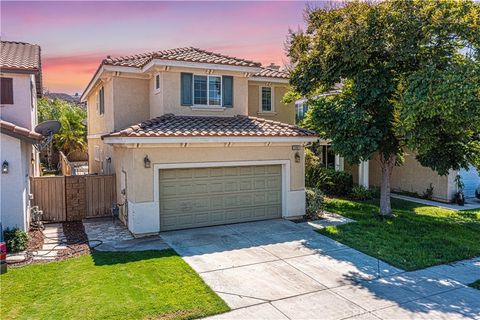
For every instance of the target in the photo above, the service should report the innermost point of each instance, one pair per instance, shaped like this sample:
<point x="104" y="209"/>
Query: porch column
<point x="363" y="174"/>
<point x="339" y="163"/>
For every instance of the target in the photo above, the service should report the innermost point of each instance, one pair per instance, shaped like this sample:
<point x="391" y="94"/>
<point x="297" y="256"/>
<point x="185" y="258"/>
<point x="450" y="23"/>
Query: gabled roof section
<point x="18" y="132"/>
<point x="170" y="125"/>
<point x="187" y="54"/>
<point x="22" y="57"/>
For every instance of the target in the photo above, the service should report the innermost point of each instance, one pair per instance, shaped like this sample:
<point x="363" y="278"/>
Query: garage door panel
<point x="212" y="196"/>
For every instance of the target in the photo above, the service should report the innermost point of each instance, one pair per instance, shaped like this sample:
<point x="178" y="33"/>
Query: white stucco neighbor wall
<point x="14" y="185"/>
<point x="23" y="111"/>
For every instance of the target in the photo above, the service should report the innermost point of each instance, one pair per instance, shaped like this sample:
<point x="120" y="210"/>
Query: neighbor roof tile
<point x="19" y="55"/>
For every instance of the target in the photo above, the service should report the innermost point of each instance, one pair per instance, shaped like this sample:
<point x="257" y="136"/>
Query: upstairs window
<point x="6" y="94"/>
<point x="266" y="99"/>
<point x="157" y="83"/>
<point x="207" y="90"/>
<point x="101" y="101"/>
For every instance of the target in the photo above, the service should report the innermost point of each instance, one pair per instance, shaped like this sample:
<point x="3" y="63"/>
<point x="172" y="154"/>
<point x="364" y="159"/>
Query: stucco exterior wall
<point x="23" y="111"/>
<point x="100" y="124"/>
<point x="131" y="103"/>
<point x="14" y="209"/>
<point x="281" y="112"/>
<point x="143" y="214"/>
<point x="411" y="177"/>
<point x="101" y="164"/>
<point x="167" y="100"/>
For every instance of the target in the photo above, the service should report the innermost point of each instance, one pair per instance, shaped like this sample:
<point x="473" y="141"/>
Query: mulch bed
<point x="76" y="241"/>
<point x="35" y="241"/>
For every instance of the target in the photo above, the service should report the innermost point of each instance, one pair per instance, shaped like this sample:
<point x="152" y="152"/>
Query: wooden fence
<point x="72" y="198"/>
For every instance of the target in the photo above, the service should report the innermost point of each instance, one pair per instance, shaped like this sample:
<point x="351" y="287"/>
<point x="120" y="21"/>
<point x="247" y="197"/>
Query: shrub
<point x="428" y="194"/>
<point x="15" y="239"/>
<point x="361" y="193"/>
<point x="314" y="203"/>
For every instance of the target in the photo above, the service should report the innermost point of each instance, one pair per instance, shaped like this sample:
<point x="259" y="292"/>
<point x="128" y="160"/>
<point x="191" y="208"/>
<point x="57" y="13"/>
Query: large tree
<point x="410" y="77"/>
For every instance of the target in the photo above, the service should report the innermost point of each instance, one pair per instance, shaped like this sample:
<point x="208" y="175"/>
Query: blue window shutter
<point x="186" y="89"/>
<point x="227" y="85"/>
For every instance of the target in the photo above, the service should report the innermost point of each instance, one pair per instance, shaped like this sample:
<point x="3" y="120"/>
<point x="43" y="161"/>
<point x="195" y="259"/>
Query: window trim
<point x="100" y="112"/>
<point x="12" y="102"/>
<point x="272" y="99"/>
<point x="207" y="106"/>
<point x="159" y="89"/>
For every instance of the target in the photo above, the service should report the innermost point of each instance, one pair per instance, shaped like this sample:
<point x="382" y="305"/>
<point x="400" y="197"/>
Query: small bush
<point x="361" y="193"/>
<point x="314" y="203"/>
<point x="15" y="239"/>
<point x="428" y="194"/>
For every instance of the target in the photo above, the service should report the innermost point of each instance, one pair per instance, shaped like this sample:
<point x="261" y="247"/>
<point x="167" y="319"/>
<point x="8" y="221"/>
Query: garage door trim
<point x="285" y="174"/>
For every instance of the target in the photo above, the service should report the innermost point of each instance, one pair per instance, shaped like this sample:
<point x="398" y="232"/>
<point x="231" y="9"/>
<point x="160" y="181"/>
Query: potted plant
<point x="459" y="196"/>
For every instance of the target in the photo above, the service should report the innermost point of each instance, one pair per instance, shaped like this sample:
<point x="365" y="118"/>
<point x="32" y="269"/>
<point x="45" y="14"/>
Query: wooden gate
<point x="72" y="198"/>
<point x="49" y="196"/>
<point x="100" y="195"/>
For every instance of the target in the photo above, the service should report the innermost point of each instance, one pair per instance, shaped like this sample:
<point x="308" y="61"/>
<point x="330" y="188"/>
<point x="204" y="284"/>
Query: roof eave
<point x="211" y="139"/>
<point x="199" y="65"/>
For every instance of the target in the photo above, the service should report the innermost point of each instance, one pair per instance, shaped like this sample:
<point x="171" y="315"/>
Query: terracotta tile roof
<point x="13" y="130"/>
<point x="187" y="54"/>
<point x="272" y="73"/>
<point x="19" y="55"/>
<point x="170" y="125"/>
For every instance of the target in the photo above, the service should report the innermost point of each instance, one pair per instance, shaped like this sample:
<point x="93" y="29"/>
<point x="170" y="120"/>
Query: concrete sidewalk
<point x="470" y="203"/>
<point x="277" y="269"/>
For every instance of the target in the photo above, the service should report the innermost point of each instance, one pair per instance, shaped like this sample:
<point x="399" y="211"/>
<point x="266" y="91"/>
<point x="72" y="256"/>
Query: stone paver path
<point x="54" y="240"/>
<point x="277" y="269"/>
<point x="108" y="235"/>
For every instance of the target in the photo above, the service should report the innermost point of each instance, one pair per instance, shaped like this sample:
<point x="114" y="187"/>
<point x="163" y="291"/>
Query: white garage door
<point x="471" y="180"/>
<point x="197" y="197"/>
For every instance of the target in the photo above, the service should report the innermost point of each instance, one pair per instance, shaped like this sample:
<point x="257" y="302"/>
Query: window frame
<point x="12" y="101"/>
<point x="272" y="105"/>
<point x="100" y="100"/>
<point x="208" y="105"/>
<point x="159" y="77"/>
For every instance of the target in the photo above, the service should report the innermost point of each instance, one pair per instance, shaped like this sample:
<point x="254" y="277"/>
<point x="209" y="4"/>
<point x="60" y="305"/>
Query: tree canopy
<point x="72" y="135"/>
<point x="410" y="77"/>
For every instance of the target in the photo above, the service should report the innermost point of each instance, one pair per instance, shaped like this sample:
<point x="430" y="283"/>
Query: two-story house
<point x="20" y="76"/>
<point x="195" y="138"/>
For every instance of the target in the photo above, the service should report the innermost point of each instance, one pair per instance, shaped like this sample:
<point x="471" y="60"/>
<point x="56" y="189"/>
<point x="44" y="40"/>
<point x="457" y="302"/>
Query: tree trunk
<point x="387" y="168"/>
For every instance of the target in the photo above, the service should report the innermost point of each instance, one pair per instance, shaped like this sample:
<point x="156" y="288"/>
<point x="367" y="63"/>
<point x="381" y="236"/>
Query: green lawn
<point x="476" y="284"/>
<point x="107" y="285"/>
<point x="420" y="236"/>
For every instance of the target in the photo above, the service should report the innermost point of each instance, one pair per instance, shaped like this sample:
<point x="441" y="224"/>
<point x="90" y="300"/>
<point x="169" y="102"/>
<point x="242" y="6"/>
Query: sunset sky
<point x="76" y="36"/>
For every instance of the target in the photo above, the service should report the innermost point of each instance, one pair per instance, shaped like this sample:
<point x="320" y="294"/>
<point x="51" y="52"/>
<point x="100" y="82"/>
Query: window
<point x="6" y="94"/>
<point x="300" y="111"/>
<point x="266" y="98"/>
<point x="207" y="90"/>
<point x="101" y="101"/>
<point x="157" y="83"/>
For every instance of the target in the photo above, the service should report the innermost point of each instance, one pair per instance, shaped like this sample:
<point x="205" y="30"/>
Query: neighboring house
<point x="184" y="132"/>
<point x="411" y="177"/>
<point x="21" y="83"/>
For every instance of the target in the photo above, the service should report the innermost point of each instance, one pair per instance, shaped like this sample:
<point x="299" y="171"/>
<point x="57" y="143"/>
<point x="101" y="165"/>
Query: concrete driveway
<point x="277" y="269"/>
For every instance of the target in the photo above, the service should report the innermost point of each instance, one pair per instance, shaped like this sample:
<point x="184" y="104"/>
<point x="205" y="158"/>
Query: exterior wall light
<point x="146" y="162"/>
<point x="297" y="157"/>
<point x="5" y="167"/>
